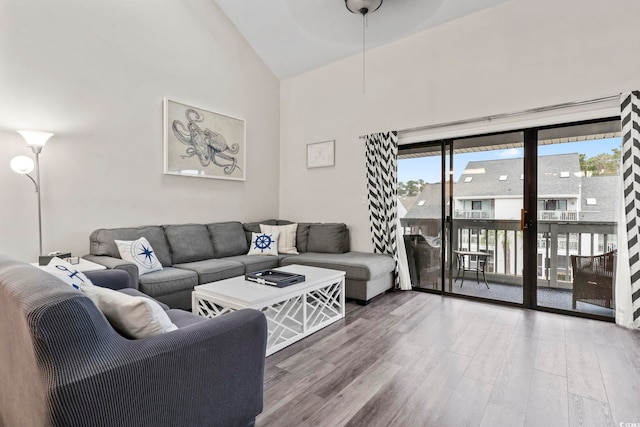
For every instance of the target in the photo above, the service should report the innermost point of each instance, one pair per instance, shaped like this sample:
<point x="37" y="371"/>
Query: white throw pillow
<point x="140" y="253"/>
<point x="67" y="273"/>
<point x="133" y="316"/>
<point x="264" y="244"/>
<point x="286" y="237"/>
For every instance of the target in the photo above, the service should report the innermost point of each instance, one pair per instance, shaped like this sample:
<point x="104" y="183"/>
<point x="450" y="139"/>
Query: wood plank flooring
<point x="416" y="359"/>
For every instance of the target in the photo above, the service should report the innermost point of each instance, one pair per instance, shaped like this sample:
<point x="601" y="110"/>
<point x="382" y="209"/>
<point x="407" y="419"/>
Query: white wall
<point x="508" y="208"/>
<point x="95" y="73"/>
<point x="519" y="55"/>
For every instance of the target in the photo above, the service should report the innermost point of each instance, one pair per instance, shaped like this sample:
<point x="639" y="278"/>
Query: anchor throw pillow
<point x="264" y="243"/>
<point x="67" y="273"/>
<point x="140" y="253"/>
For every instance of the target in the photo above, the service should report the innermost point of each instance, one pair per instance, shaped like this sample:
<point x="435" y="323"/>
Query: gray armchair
<point x="62" y="364"/>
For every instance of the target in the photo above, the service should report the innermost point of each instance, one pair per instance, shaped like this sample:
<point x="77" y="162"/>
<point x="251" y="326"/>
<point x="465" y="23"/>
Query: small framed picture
<point x="321" y="154"/>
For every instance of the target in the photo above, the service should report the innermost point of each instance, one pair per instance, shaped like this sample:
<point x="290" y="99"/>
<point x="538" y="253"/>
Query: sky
<point x="428" y="168"/>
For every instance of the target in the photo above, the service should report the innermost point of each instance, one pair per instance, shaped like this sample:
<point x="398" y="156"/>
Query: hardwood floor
<point x="416" y="359"/>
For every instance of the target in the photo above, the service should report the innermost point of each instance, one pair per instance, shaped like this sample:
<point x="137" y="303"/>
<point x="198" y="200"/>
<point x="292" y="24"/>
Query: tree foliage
<point x="410" y="188"/>
<point x="601" y="164"/>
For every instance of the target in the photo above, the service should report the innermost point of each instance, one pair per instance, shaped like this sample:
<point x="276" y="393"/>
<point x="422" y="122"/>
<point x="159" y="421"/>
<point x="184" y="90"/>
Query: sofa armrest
<point x="208" y="372"/>
<point x="117" y="263"/>
<point x="112" y="279"/>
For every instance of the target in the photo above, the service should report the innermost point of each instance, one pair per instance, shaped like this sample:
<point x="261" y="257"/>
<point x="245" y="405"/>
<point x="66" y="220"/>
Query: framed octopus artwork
<point x="201" y="143"/>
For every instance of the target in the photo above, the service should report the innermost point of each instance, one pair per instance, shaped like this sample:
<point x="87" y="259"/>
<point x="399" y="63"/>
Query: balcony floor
<point x="547" y="297"/>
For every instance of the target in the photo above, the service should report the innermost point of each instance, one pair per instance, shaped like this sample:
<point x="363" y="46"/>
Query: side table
<point x="83" y="265"/>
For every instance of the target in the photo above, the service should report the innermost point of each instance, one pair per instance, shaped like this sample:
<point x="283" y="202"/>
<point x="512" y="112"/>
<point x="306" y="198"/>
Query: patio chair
<point x="593" y="279"/>
<point x="423" y="256"/>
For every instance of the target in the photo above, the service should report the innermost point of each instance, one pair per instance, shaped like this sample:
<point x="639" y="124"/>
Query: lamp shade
<point x="35" y="138"/>
<point x="21" y="164"/>
<point x="362" y="6"/>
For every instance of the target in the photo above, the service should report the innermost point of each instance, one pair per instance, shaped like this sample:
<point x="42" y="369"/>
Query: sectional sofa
<point x="194" y="254"/>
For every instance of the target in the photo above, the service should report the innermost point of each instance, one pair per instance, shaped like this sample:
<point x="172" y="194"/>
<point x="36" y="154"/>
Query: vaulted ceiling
<point x="295" y="36"/>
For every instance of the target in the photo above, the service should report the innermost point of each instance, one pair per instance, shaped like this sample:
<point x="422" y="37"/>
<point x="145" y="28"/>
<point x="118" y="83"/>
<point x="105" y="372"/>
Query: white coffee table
<point x="293" y="312"/>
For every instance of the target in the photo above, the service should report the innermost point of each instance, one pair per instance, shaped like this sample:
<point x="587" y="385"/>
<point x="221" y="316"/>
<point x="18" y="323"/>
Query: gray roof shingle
<point x="558" y="176"/>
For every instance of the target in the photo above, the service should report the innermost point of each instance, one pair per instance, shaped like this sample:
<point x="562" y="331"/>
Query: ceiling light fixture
<point x="363" y="7"/>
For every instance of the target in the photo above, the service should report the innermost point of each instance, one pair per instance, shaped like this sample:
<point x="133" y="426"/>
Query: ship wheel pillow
<point x="264" y="243"/>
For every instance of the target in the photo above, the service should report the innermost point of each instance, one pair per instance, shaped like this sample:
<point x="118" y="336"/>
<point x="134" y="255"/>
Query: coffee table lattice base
<point x="290" y="320"/>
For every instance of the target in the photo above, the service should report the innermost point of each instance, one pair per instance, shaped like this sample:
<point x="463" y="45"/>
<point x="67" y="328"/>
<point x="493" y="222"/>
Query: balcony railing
<point x="557" y="215"/>
<point x="474" y="214"/>
<point x="503" y="239"/>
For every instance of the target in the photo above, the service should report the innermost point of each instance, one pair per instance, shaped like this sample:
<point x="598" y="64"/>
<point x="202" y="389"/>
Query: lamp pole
<point x="35" y="140"/>
<point x="36" y="151"/>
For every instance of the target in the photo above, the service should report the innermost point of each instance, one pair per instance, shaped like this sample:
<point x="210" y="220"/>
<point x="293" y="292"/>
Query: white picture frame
<point x="201" y="143"/>
<point x="321" y="154"/>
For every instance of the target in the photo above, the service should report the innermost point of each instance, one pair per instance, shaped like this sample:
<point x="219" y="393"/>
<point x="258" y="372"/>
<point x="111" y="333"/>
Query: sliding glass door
<point x="526" y="218"/>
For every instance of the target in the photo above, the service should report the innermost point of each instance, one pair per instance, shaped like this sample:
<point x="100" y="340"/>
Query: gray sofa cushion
<point x="228" y="239"/>
<point x="327" y="238"/>
<point x="189" y="242"/>
<point x="169" y="280"/>
<point x="254" y="227"/>
<point x="210" y="270"/>
<point x="102" y="241"/>
<point x="356" y="265"/>
<point x="257" y="262"/>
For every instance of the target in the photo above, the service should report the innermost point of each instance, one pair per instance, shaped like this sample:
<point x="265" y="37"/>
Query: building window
<point x="552" y="205"/>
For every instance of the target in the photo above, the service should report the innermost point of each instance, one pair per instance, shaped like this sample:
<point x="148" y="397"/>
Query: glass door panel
<point x="577" y="210"/>
<point x="420" y="211"/>
<point x="486" y="241"/>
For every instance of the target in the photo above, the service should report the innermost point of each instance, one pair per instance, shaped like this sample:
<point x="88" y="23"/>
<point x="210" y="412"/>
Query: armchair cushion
<point x="112" y="279"/>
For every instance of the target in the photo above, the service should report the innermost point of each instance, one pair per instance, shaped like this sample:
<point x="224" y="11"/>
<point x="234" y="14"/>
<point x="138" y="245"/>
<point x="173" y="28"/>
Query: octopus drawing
<point x="207" y="145"/>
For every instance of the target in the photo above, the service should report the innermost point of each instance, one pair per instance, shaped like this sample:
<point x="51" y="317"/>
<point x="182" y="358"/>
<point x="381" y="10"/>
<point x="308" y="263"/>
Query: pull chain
<point x="364" y="32"/>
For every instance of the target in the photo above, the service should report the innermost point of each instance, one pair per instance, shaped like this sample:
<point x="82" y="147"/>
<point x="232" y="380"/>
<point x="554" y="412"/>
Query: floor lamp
<point x="24" y="165"/>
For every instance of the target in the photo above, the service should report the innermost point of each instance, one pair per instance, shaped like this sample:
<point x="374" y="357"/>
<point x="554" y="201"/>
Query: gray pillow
<point x="302" y="236"/>
<point x="189" y="242"/>
<point x="102" y="241"/>
<point x="228" y="239"/>
<point x="327" y="238"/>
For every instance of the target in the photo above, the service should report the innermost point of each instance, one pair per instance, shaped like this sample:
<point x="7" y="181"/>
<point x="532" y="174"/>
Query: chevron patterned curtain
<point x="382" y="167"/>
<point x="629" y="314"/>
